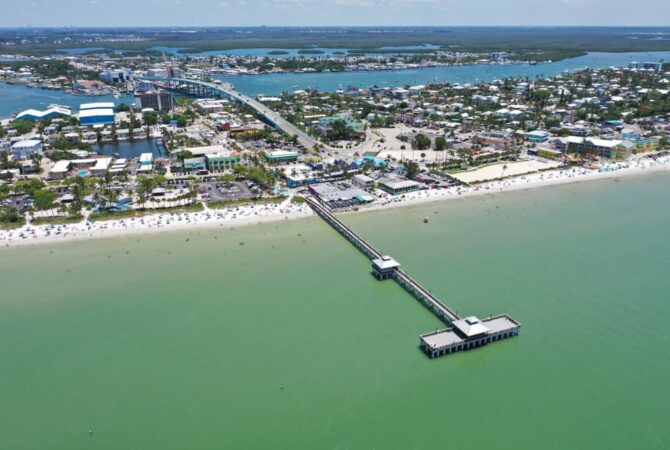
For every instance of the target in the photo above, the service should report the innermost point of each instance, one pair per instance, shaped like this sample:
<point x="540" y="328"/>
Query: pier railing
<point x="442" y="311"/>
<point x="344" y="230"/>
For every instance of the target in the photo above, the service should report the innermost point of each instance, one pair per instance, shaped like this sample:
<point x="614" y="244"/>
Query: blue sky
<point x="332" y="12"/>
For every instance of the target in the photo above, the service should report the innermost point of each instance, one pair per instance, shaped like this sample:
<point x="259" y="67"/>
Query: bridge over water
<point x="205" y="89"/>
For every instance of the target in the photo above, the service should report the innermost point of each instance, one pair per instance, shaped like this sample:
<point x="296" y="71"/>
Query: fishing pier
<point x="462" y="333"/>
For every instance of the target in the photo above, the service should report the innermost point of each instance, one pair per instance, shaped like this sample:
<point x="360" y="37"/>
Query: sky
<point x="14" y="13"/>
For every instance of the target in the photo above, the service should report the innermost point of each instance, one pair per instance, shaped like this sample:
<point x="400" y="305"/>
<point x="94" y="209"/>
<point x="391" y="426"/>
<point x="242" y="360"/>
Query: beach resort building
<point x="96" y="167"/>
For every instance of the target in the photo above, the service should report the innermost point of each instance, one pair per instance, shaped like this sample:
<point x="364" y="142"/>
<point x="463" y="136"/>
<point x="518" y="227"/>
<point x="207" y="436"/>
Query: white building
<point x="116" y="75"/>
<point x="25" y="149"/>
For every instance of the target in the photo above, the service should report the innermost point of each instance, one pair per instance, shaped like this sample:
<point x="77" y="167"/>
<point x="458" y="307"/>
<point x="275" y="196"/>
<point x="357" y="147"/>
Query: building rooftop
<point x="398" y="184"/>
<point x="98" y="105"/>
<point x="470" y="326"/>
<point x="94" y="112"/>
<point x="385" y="263"/>
<point x="27" y="143"/>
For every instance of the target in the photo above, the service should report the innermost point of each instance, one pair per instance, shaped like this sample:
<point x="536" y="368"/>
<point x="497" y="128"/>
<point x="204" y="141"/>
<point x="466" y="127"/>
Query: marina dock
<point x="462" y="333"/>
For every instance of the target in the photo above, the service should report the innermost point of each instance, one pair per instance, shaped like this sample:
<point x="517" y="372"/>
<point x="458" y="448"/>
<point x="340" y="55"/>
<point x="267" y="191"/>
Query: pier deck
<point x="463" y="334"/>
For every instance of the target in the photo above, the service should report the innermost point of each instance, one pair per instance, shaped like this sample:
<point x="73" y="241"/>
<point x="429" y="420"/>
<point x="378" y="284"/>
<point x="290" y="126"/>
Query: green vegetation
<point x="440" y="143"/>
<point x="66" y="145"/>
<point x="23" y="126"/>
<point x="297" y="200"/>
<point x="258" y="174"/>
<point x="421" y="142"/>
<point x="44" y="199"/>
<point x="411" y="169"/>
<point x="278" y="52"/>
<point x="546" y="55"/>
<point x="57" y="220"/>
<point x="522" y="39"/>
<point x="28" y="186"/>
<point x="102" y="216"/>
<point x="337" y="131"/>
<point x="246" y="201"/>
<point x="10" y="219"/>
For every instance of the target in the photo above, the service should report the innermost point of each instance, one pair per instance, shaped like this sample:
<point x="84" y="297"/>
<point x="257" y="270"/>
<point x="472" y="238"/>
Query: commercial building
<point x="222" y="160"/>
<point x="280" y="155"/>
<point x="340" y="196"/>
<point x="653" y="66"/>
<point x="363" y="181"/>
<point x="648" y="144"/>
<point x="26" y="149"/>
<point x="549" y="153"/>
<point x="101" y="113"/>
<point x="394" y="186"/>
<point x="35" y="114"/>
<point x="196" y="164"/>
<point x="209" y="106"/>
<point x="156" y="100"/>
<point x="116" y="75"/>
<point x="537" y="136"/>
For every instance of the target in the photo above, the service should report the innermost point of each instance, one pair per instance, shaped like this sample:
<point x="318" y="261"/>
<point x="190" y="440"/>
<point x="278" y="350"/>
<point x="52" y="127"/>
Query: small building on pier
<point x="468" y="333"/>
<point x="384" y="267"/>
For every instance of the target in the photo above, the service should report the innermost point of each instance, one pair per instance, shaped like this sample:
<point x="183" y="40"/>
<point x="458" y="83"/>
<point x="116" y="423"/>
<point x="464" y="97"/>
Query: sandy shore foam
<point x="255" y="214"/>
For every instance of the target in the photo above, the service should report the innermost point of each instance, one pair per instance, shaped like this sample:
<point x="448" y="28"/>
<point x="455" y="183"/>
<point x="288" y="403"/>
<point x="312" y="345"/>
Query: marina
<point x="462" y="334"/>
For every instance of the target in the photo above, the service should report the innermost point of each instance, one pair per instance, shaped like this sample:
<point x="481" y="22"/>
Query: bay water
<point x="277" y="335"/>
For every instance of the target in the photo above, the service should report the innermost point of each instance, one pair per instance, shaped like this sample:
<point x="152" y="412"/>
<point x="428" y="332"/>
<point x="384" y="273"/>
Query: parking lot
<point x="225" y="190"/>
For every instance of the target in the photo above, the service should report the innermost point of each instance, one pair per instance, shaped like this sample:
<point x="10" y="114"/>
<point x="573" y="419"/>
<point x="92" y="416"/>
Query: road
<point x="271" y="116"/>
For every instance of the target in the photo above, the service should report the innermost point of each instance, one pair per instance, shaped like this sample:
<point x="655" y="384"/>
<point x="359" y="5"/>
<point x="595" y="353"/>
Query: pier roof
<point x="470" y="326"/>
<point x="385" y="263"/>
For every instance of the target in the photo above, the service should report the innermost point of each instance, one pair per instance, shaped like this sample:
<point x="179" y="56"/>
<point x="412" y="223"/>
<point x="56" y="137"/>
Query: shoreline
<point x="249" y="215"/>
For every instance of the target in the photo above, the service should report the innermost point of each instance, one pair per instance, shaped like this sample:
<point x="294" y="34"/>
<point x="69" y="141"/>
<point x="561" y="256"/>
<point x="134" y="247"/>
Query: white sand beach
<point x="255" y="214"/>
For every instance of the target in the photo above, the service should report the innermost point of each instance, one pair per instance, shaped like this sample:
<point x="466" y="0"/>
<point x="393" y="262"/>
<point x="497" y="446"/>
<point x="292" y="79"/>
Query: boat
<point x="425" y="219"/>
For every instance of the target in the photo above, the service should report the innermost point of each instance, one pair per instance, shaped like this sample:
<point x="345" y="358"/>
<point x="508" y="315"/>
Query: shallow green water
<point x="288" y="342"/>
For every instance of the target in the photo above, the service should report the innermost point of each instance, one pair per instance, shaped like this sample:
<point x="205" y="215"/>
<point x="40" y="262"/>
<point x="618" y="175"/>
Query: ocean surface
<point x="277" y="336"/>
<point x="15" y="98"/>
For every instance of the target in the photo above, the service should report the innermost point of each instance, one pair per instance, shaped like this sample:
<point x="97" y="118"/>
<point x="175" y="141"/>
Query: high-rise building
<point x="156" y="100"/>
